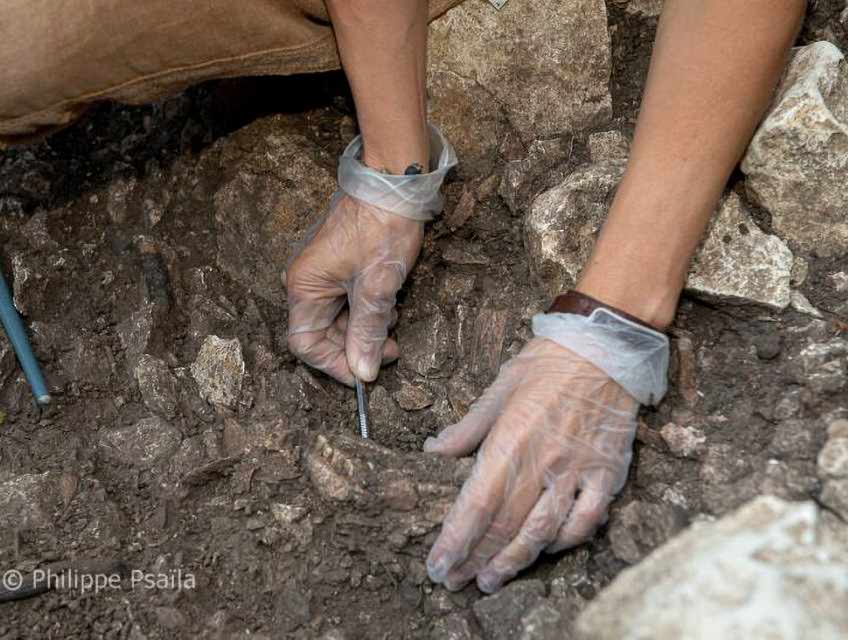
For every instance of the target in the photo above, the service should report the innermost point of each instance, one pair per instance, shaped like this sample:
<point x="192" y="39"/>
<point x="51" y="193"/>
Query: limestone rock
<point x="271" y="197"/>
<point x="762" y="572"/>
<point x="219" y="370"/>
<point x="833" y="459"/>
<point x="30" y="280"/>
<point x="521" y="177"/>
<point x="562" y="223"/>
<point x="467" y="115"/>
<point x="157" y="385"/>
<point x="683" y="441"/>
<point x="425" y="344"/>
<point x="799" y="302"/>
<point x="645" y="8"/>
<point x="7" y="358"/>
<point x="454" y="627"/>
<point x="797" y="161"/>
<point x="88" y="362"/>
<point x="833" y="468"/>
<point x="822" y="366"/>
<point x="119" y="198"/>
<point x="134" y="334"/>
<point x="640" y="527"/>
<point x="143" y="444"/>
<point x="840" y="281"/>
<point x="608" y="145"/>
<point x="22" y="500"/>
<point x="642" y="8"/>
<point x="542" y="67"/>
<point x="489" y="335"/>
<point x="500" y="614"/>
<point x="412" y="397"/>
<point x="544" y="622"/>
<point x="737" y="262"/>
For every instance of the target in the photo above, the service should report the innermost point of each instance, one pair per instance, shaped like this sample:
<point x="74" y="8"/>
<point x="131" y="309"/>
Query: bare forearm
<point x="383" y="48"/>
<point x="714" y="68"/>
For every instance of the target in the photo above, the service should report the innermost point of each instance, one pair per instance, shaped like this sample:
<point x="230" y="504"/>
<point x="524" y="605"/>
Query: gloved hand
<point x="360" y="254"/>
<point x="557" y="427"/>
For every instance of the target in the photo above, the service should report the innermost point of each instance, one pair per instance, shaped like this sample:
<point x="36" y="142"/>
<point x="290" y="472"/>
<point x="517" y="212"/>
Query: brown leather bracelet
<point x="582" y="305"/>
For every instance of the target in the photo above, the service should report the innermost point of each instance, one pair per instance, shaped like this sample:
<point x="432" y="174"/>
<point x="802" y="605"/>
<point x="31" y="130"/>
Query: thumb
<point x="372" y="301"/>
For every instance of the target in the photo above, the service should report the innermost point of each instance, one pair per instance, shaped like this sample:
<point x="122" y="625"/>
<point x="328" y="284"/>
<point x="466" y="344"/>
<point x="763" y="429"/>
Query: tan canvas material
<point x="58" y="57"/>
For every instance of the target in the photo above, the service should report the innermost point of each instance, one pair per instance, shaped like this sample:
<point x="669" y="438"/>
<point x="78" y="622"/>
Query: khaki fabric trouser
<point x="58" y="57"/>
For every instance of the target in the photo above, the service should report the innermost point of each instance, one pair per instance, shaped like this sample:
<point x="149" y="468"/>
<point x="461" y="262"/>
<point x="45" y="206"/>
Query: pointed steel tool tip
<point x="361" y="409"/>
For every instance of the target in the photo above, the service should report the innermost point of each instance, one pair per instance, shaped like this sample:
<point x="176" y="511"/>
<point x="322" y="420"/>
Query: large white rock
<point x="797" y="162"/>
<point x="763" y="572"/>
<point x="538" y="67"/>
<point x="737" y="262"/>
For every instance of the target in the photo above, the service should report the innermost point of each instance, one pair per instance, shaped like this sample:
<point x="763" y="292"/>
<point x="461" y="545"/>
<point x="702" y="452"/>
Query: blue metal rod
<point x="17" y="336"/>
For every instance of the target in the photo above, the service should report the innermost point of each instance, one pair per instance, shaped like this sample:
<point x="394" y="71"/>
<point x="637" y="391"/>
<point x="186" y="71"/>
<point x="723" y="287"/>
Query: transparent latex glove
<point x="557" y="428"/>
<point x="360" y="255"/>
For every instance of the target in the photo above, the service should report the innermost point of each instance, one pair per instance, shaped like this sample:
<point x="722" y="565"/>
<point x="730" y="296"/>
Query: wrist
<point x="397" y="150"/>
<point x="652" y="302"/>
<point x="415" y="196"/>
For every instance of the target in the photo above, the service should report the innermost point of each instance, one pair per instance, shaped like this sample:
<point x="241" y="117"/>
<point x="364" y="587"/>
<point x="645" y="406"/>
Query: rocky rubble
<point x="185" y="435"/>
<point x="736" y="262"/>
<point x="796" y="164"/>
<point x="761" y="572"/>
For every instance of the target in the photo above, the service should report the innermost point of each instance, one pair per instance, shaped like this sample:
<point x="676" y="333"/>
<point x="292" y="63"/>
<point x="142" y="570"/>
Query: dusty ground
<point x="286" y="533"/>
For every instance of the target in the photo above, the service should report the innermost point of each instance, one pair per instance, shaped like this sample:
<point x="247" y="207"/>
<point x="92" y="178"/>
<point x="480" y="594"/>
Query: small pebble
<point x="768" y="346"/>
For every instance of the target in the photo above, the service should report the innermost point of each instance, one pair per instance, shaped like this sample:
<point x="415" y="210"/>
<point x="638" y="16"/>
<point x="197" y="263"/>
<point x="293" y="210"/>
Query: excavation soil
<point x="287" y="525"/>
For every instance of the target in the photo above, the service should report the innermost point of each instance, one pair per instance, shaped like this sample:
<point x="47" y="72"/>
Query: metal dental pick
<point x="361" y="409"/>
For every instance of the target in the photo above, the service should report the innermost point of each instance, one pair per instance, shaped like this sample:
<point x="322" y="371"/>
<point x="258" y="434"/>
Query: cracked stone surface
<point x="542" y="68"/>
<point x="562" y="223"/>
<point x="148" y="441"/>
<point x="737" y="262"/>
<point x="157" y="385"/>
<point x="412" y="491"/>
<point x="833" y="468"/>
<point x="271" y="199"/>
<point x="136" y="236"/>
<point x="796" y="163"/>
<point x="761" y="572"/>
<point x="219" y="370"/>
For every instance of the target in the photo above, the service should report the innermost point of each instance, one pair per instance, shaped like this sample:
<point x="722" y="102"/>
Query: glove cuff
<point x="411" y="196"/>
<point x="633" y="355"/>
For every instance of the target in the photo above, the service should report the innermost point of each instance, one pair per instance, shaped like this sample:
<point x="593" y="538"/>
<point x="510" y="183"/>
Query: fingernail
<point x="431" y="444"/>
<point x="366" y="369"/>
<point x="488" y="582"/>
<point x="438" y="570"/>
